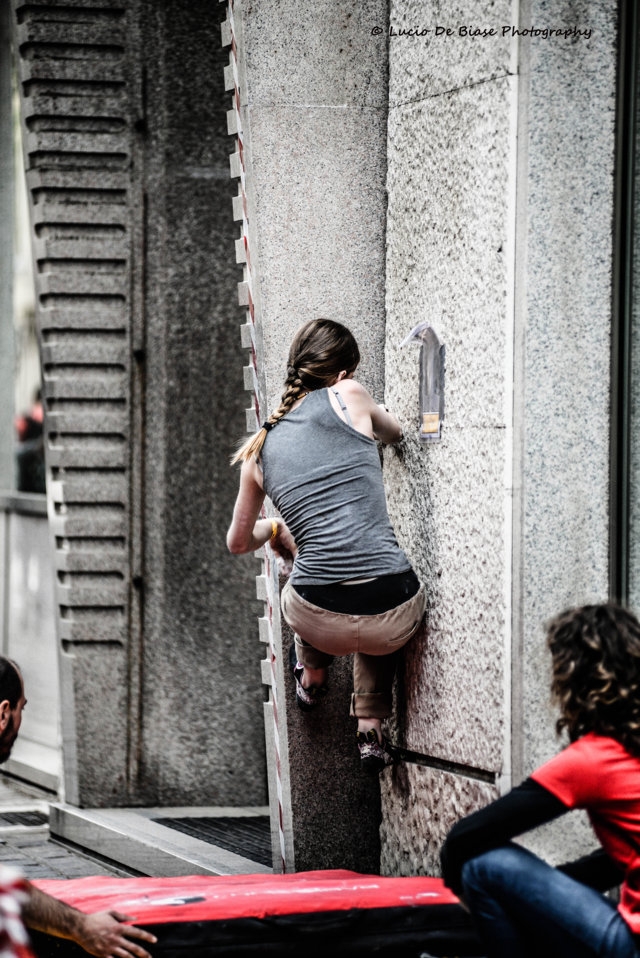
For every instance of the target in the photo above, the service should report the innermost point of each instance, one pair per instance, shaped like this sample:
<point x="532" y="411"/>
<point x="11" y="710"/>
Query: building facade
<point x="391" y="163"/>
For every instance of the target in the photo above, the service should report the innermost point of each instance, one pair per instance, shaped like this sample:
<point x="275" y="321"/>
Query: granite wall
<point x="450" y="260"/>
<point x="563" y="390"/>
<point x="564" y="399"/>
<point x="495" y="238"/>
<point x="202" y="737"/>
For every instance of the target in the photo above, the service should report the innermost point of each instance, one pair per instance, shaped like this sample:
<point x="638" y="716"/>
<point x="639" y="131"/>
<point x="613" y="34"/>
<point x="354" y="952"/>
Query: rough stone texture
<point x="419" y="807"/>
<point x="202" y="699"/>
<point x="316" y="114"/>
<point x="423" y="67"/>
<point x="448" y="261"/>
<point x="31" y="613"/>
<point x="634" y="420"/>
<point x="455" y="537"/>
<point x="335" y="808"/>
<point x="346" y="221"/>
<point x="563" y="418"/>
<point x="333" y="62"/>
<point x="313" y="114"/>
<point x="454" y="215"/>
<point x="566" y="306"/>
<point x="87" y="677"/>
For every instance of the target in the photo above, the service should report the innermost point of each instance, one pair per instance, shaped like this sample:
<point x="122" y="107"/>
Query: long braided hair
<point x="595" y="654"/>
<point x="320" y="350"/>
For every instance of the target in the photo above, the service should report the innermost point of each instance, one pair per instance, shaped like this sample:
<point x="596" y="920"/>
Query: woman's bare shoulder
<point x="351" y="388"/>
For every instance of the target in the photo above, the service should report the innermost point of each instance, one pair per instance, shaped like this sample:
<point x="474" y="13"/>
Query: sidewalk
<point x="25" y="842"/>
<point x="46" y="839"/>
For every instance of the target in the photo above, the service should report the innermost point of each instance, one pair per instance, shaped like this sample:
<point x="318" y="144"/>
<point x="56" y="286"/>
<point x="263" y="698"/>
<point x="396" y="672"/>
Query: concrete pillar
<point x="202" y="727"/>
<point x="451" y="181"/>
<point x="310" y="87"/>
<point x="7" y="345"/>
<point x="78" y="142"/>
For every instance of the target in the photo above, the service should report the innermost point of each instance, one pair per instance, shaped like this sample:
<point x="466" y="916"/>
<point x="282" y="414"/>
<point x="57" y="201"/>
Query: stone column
<point x="450" y="231"/>
<point x="563" y="397"/>
<point x="310" y="91"/>
<point x="202" y="729"/>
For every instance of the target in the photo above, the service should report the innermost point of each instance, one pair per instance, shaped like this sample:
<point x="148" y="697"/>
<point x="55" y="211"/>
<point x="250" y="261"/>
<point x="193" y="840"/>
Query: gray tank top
<point x="326" y="481"/>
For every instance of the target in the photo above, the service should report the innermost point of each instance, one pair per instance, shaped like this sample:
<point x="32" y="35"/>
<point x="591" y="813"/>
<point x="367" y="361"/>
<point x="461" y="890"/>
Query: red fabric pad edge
<point x="153" y="901"/>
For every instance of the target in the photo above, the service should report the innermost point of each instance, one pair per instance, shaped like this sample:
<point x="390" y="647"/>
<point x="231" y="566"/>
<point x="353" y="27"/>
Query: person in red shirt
<point x="521" y="905"/>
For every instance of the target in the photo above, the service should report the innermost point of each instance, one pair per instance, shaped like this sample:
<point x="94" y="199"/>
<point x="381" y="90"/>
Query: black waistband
<point x="365" y="598"/>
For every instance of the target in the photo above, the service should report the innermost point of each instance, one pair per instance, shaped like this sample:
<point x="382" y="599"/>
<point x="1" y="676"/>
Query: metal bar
<point x="455" y="768"/>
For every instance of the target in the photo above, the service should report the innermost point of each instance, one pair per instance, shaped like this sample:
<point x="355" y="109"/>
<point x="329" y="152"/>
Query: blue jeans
<point x="523" y="907"/>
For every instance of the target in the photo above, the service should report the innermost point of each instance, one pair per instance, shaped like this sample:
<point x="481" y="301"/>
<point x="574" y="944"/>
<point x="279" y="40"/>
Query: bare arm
<point x="102" y="934"/>
<point x="386" y="427"/>
<point x="247" y="531"/>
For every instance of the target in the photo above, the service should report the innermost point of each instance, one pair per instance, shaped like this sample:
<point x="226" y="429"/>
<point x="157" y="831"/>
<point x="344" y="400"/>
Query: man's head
<point x="12" y="702"/>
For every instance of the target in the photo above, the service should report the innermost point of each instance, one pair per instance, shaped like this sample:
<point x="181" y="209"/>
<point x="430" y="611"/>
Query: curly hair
<point x="595" y="654"/>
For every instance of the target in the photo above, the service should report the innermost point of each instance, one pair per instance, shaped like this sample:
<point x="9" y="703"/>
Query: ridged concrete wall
<point x="7" y="215"/>
<point x="130" y="201"/>
<point x="78" y="150"/>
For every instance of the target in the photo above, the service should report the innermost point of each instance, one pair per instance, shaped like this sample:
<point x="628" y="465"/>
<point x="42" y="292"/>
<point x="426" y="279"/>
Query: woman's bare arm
<point x="248" y="531"/>
<point x="386" y="427"/>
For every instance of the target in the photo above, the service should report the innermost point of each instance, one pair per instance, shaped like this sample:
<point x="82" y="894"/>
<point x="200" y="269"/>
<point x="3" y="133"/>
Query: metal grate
<point x="249" y="837"/>
<point x="30" y="819"/>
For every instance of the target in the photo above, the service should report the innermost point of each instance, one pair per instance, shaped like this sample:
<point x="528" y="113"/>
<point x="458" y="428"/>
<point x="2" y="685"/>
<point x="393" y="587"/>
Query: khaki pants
<point x="374" y="640"/>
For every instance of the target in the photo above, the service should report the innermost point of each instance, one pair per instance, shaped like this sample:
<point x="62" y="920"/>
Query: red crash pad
<point x="152" y="901"/>
<point x="318" y="913"/>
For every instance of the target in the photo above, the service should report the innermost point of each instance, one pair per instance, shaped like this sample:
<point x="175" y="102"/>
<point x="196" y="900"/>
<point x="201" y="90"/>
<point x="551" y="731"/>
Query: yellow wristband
<point x="274" y="530"/>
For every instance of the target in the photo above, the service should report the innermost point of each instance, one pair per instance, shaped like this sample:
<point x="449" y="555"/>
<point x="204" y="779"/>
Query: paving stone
<point x="32" y="851"/>
<point x="40" y="857"/>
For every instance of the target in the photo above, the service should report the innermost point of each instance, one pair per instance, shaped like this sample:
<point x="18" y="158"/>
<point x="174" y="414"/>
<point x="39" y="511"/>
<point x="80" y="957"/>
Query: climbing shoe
<point x="374" y="756"/>
<point x="310" y="698"/>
